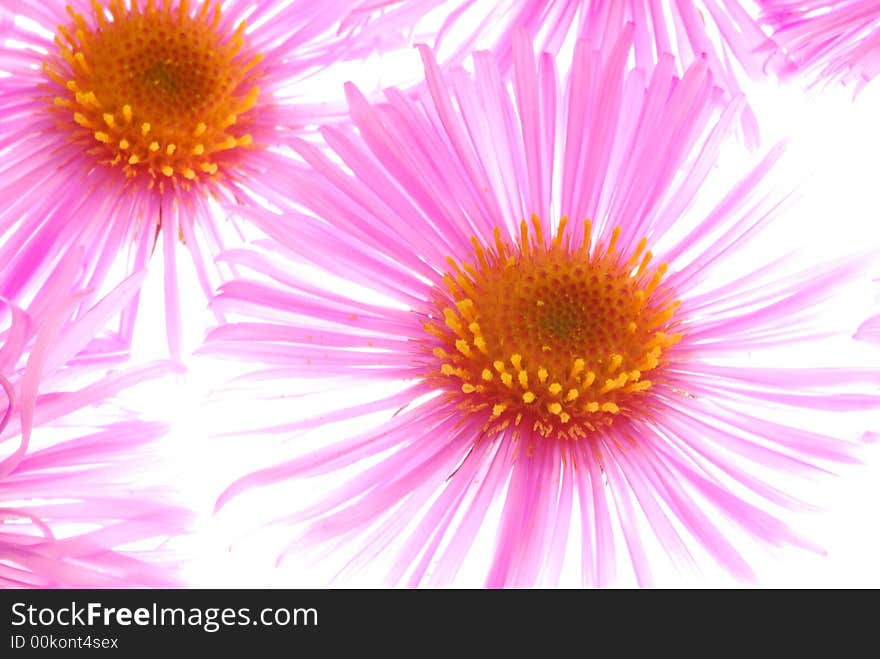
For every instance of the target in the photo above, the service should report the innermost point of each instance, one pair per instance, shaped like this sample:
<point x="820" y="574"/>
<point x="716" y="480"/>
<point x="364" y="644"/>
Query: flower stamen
<point x="562" y="338"/>
<point x="163" y="95"/>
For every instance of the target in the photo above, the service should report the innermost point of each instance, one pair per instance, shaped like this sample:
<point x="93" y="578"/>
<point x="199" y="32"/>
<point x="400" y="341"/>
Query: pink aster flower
<point x="72" y="515"/>
<point x="575" y="339"/>
<point x="827" y="39"/>
<point x="73" y="512"/>
<point x="123" y="122"/>
<point x="722" y="31"/>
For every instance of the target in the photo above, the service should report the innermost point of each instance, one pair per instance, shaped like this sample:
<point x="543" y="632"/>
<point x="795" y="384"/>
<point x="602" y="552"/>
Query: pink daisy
<point x="568" y="381"/>
<point x="74" y="516"/>
<point x="827" y="39"/>
<point x="73" y="512"/>
<point x="125" y="121"/>
<point x="722" y="31"/>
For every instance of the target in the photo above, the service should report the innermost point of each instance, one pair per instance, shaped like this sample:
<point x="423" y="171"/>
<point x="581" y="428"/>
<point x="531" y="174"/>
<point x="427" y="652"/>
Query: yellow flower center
<point x="163" y="95"/>
<point x="558" y="338"/>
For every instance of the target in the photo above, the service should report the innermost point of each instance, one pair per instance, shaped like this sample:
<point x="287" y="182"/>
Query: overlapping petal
<point x="826" y="40"/>
<point x="78" y="508"/>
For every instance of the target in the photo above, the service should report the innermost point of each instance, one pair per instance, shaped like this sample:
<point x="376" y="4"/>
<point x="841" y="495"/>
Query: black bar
<point x="329" y="622"/>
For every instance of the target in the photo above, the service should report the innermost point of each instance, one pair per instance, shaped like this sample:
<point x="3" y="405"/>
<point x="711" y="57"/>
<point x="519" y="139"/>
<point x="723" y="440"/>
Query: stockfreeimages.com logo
<point x="211" y="619"/>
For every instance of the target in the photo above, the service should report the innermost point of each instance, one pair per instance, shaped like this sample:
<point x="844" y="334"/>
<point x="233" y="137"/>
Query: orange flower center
<point x="163" y="95"/>
<point x="561" y="339"/>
